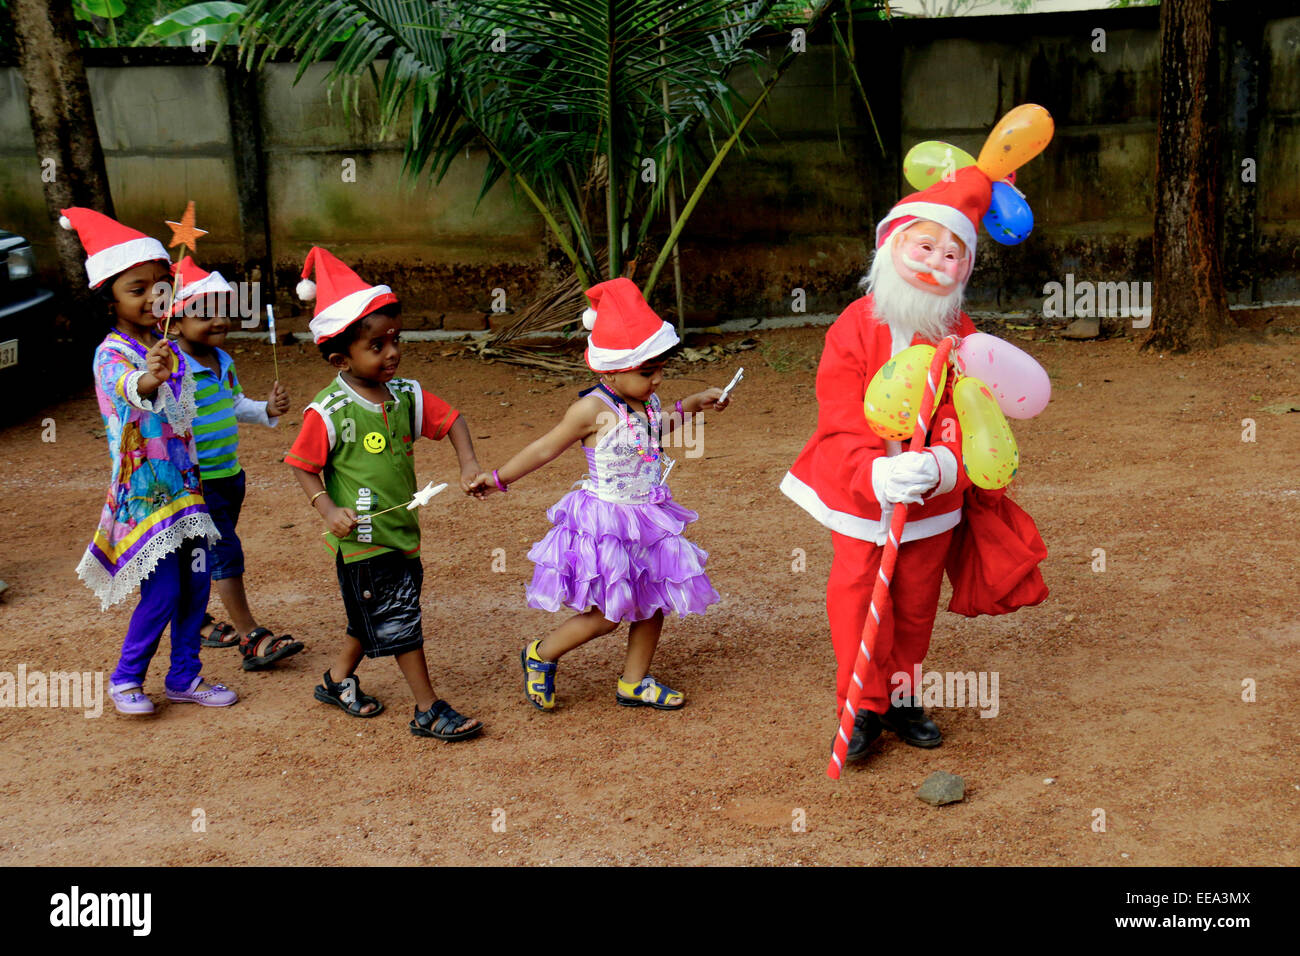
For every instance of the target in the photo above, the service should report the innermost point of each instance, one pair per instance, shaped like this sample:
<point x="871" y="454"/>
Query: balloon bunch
<point x="1018" y="137"/>
<point x="994" y="379"/>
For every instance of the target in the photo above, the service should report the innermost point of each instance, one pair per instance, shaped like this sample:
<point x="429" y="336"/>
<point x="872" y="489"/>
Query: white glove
<point x="904" y="478"/>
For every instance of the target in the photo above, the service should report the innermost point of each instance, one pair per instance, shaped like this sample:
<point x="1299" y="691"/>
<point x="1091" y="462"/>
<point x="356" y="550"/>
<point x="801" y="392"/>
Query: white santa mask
<point x="931" y="310"/>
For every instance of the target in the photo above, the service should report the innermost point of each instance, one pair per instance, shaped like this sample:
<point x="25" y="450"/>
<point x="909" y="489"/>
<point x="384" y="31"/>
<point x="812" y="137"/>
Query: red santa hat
<point x="110" y="246"/>
<point x="196" y="282"/>
<point x="958" y="204"/>
<point x="341" y="296"/>
<point x="625" y="331"/>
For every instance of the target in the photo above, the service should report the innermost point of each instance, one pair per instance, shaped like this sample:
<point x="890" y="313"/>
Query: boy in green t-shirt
<point x="354" y="458"/>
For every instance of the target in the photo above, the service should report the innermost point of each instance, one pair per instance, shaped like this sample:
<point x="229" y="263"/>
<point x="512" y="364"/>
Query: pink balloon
<point x="1018" y="382"/>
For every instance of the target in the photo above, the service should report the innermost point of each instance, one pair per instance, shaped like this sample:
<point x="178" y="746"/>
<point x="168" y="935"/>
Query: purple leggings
<point x="177" y="593"/>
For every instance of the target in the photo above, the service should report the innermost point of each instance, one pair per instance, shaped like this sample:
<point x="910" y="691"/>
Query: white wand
<point x="735" y="380"/>
<point x="421" y="498"/>
<point x="270" y="321"/>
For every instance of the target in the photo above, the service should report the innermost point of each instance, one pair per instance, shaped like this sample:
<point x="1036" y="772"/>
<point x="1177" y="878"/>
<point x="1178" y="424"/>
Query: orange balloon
<point x="1019" y="136"/>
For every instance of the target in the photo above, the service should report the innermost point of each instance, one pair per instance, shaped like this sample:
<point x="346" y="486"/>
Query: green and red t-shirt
<point x="364" y="455"/>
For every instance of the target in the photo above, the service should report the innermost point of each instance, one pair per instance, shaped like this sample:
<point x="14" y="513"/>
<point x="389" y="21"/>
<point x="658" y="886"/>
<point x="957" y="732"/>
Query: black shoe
<point x="910" y="722"/>
<point x="866" y="728"/>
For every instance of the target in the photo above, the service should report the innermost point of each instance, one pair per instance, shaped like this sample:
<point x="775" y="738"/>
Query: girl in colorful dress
<point x="615" y="552"/>
<point x="154" y="530"/>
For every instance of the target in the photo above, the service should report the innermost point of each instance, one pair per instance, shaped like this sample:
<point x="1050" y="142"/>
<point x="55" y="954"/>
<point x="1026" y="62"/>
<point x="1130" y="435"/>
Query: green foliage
<point x="217" y="19"/>
<point x="107" y="9"/>
<point x="589" y="107"/>
<point x="110" y="22"/>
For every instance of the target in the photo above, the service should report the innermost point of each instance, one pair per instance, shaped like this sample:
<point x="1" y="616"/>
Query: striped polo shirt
<point x="218" y="396"/>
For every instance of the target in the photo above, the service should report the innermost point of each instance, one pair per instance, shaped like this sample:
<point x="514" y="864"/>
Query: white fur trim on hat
<point x="953" y="219"/>
<point x="212" y="282"/>
<point x="65" y="222"/>
<point x="306" y="290"/>
<point x="109" y="262"/>
<point x="338" y="315"/>
<point x="621" y="360"/>
<point x="589" y="319"/>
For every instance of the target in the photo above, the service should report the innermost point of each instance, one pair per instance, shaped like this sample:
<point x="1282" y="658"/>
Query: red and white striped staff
<point x="880" y="593"/>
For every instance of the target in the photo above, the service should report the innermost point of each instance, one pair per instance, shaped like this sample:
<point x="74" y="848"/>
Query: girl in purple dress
<point x="615" y="551"/>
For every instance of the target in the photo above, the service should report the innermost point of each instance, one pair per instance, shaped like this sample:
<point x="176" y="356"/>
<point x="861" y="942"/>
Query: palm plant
<point x="590" y="108"/>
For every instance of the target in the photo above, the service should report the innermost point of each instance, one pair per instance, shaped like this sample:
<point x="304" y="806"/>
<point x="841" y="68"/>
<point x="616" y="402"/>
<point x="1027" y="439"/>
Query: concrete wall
<point x="797" y="208"/>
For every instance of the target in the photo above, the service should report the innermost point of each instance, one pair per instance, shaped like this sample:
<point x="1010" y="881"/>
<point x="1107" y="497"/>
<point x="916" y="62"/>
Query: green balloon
<point x="927" y="163"/>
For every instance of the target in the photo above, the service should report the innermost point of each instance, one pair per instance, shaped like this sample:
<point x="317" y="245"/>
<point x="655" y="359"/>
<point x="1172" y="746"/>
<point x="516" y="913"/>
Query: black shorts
<point x="382" y="599"/>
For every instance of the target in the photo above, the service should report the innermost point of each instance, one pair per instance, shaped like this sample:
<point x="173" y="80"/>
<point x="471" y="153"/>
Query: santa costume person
<point x="849" y="478"/>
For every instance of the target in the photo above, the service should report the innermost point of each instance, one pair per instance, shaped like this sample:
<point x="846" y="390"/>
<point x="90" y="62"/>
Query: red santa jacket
<point x="831" y="478"/>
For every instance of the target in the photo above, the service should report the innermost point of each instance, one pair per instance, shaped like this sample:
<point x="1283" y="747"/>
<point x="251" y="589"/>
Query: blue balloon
<point x="1009" y="219"/>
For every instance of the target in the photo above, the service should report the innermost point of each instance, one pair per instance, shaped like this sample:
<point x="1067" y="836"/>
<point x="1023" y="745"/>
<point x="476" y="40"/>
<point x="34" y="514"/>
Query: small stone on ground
<point x="1082" y="329"/>
<point x="940" y="788"/>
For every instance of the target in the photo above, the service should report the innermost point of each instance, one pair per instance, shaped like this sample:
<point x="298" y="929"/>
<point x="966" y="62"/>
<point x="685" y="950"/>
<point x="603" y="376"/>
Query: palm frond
<point x="554" y="89"/>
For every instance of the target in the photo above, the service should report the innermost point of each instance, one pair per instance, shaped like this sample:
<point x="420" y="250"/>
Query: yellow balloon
<point x="893" y="397"/>
<point x="988" y="449"/>
<point x="926" y="163"/>
<point x="1019" y="136"/>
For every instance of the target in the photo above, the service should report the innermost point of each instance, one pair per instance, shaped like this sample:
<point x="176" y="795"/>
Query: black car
<point x="27" y="326"/>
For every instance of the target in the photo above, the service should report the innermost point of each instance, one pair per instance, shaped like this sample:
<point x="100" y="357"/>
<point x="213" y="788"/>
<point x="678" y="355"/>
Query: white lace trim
<point x="180" y="413"/>
<point x="133" y="396"/>
<point x="112" y="588"/>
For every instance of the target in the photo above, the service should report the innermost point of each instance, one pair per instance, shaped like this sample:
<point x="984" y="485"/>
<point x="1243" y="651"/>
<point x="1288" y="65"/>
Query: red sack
<point x="993" y="558"/>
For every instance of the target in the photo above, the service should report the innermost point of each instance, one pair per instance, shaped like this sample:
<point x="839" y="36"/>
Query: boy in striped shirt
<point x="203" y="309"/>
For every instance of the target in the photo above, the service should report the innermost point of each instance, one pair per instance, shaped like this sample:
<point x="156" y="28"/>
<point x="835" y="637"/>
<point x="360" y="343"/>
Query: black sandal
<point x="442" y="721"/>
<point x="348" y="695"/>
<point x="279" y="651"/>
<point x="220" y="629"/>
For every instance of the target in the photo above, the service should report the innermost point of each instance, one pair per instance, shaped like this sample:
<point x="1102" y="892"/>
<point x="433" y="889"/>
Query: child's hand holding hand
<point x="340" y="521"/>
<point x="482" y="485"/>
<point x="277" y="403"/>
<point x="469" y="477"/>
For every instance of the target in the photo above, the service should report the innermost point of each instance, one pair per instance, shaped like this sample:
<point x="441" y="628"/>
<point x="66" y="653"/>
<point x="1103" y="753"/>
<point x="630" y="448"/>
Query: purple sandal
<point x="130" y="699"/>
<point x="216" y="695"/>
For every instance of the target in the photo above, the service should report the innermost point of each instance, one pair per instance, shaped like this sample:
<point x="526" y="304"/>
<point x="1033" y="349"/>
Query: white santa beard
<point x="905" y="307"/>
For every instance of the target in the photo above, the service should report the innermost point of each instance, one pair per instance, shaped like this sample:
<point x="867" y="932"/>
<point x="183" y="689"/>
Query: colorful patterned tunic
<point x="155" y="499"/>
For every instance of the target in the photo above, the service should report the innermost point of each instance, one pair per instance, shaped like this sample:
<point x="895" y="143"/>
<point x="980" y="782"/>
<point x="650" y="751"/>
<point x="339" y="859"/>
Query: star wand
<point x="421" y="498"/>
<point x="186" y="235"/>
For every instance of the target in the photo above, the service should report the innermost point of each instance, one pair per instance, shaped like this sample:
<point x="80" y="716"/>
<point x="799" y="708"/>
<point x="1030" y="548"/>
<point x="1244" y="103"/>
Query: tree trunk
<point x="63" y="124"/>
<point x="1190" y="307"/>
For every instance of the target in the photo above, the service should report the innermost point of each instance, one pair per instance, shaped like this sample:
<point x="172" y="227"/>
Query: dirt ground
<point x="1122" y="693"/>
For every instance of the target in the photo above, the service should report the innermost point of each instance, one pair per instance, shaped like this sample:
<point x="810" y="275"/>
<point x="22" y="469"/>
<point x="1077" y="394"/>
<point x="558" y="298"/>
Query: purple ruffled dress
<point x="616" y="542"/>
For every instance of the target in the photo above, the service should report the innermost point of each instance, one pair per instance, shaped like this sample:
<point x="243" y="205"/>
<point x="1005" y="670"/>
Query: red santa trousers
<point x="903" y="638"/>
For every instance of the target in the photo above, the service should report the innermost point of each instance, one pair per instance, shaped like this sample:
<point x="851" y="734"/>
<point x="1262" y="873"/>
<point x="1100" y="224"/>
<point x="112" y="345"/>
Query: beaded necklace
<point x="652" y="429"/>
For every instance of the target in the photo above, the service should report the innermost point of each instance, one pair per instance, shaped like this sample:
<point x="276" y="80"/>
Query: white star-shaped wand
<point x="422" y="498"/>
<point x="423" y="495"/>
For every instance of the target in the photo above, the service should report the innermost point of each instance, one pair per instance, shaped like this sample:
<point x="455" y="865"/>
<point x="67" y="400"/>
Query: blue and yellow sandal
<point x="539" y="678"/>
<point x="648" y="693"/>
